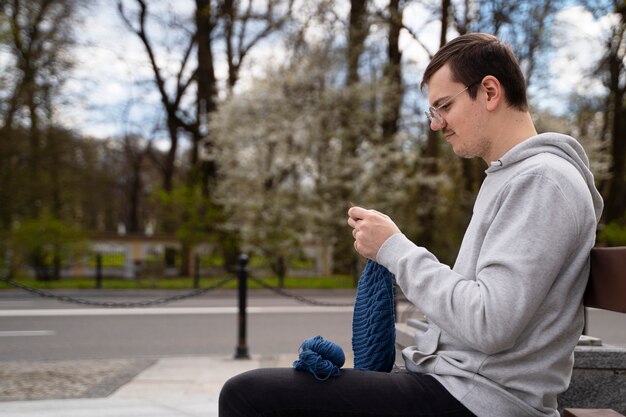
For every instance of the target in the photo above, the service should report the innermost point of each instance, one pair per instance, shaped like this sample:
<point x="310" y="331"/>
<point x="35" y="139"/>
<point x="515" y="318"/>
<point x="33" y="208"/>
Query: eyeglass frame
<point x="433" y="112"/>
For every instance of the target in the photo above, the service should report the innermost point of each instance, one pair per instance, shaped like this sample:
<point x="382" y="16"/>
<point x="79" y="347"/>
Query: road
<point x="33" y="328"/>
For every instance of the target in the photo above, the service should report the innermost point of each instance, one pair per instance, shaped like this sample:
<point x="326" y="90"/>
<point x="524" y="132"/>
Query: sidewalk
<point x="173" y="387"/>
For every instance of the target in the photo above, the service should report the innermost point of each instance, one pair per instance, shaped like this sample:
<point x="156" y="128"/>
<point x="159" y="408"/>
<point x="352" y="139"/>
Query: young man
<point x="505" y="319"/>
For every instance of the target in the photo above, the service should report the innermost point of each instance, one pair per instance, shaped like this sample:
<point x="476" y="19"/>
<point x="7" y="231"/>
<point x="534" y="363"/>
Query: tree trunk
<point x="207" y="93"/>
<point x="431" y="156"/>
<point x="357" y="33"/>
<point x="393" y="92"/>
<point x="616" y="195"/>
<point x="34" y="133"/>
<point x="350" y="108"/>
<point x="136" y="186"/>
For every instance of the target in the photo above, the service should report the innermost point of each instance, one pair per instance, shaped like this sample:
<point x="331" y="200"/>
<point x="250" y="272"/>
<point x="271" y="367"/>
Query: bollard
<point x="242" y="275"/>
<point x="98" y="270"/>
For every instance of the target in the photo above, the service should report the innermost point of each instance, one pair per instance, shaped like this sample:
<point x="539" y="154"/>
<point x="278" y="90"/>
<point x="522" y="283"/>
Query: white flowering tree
<point x="283" y="172"/>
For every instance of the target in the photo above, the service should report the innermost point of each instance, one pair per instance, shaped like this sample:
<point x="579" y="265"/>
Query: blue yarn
<point x="373" y="331"/>
<point x="373" y="322"/>
<point x="321" y="357"/>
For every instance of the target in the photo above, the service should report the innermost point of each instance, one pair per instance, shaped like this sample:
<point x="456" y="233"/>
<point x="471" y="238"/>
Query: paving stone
<point x="41" y="380"/>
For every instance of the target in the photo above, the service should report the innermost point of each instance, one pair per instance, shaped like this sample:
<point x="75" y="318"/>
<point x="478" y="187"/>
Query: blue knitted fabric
<point x="373" y="322"/>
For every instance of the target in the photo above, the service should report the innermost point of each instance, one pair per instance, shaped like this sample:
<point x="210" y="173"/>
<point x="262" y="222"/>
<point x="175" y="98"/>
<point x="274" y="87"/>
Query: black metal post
<point x="242" y="275"/>
<point x="98" y="270"/>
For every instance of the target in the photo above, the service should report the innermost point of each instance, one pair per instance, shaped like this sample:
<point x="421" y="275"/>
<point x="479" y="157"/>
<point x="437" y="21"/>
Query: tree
<point x="281" y="156"/>
<point x="431" y="156"/>
<point x="393" y="91"/>
<point x="245" y="24"/>
<point x="204" y="170"/>
<point x="175" y="114"/>
<point x="612" y="67"/>
<point x="526" y="26"/>
<point x="242" y="26"/>
<point x="37" y="35"/>
<point x="354" y="128"/>
<point x="45" y="242"/>
<point x="196" y="216"/>
<point x="135" y="155"/>
<point x="267" y="150"/>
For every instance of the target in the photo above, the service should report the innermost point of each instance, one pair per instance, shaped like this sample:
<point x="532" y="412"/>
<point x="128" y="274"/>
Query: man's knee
<point x="230" y="400"/>
<point x="237" y="394"/>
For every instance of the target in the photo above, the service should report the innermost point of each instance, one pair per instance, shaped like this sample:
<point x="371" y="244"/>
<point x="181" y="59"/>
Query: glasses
<point x="433" y="112"/>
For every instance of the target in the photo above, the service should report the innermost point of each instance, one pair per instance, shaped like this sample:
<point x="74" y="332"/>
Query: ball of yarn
<point x="321" y="357"/>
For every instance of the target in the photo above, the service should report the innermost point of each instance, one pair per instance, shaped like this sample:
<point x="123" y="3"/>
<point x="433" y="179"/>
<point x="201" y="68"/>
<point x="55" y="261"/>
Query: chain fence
<point x="169" y="299"/>
<point x="299" y="298"/>
<point x="114" y="304"/>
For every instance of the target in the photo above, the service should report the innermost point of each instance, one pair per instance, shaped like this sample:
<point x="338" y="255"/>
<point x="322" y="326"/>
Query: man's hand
<point x="370" y="230"/>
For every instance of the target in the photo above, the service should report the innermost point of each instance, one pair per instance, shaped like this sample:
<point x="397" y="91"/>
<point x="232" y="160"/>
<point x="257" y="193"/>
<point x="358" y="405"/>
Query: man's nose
<point x="437" y="125"/>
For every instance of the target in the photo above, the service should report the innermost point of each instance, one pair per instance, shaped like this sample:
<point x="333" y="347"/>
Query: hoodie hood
<point x="557" y="144"/>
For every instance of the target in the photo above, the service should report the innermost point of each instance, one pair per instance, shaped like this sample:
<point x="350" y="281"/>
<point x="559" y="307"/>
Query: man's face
<point x="463" y="118"/>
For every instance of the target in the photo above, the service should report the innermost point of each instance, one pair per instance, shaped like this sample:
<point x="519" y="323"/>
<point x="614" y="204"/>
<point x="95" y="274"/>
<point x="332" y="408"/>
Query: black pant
<point x="285" y="392"/>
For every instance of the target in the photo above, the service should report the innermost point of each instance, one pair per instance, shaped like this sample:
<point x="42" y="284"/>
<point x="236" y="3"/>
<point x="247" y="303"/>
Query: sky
<point x="578" y="50"/>
<point x="112" y="92"/>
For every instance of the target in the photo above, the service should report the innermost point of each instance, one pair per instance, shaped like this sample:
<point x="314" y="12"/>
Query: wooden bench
<point x="606" y="290"/>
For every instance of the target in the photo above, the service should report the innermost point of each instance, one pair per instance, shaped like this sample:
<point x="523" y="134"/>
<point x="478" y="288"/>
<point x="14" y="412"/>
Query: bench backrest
<point x="607" y="280"/>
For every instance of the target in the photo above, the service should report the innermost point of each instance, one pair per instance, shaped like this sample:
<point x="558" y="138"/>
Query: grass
<point x="331" y="282"/>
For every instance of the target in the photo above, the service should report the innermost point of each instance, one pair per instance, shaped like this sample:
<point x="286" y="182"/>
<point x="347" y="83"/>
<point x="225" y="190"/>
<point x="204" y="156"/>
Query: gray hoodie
<point x="505" y="320"/>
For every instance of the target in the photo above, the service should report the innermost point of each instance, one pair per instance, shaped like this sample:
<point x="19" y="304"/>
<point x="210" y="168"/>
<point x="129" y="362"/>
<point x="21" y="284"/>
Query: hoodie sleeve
<point x="526" y="242"/>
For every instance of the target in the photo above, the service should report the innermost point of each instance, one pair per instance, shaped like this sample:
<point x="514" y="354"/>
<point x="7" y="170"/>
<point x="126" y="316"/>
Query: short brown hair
<point x="472" y="57"/>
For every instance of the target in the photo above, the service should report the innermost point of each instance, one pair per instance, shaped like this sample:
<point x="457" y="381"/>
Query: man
<point x="505" y="319"/>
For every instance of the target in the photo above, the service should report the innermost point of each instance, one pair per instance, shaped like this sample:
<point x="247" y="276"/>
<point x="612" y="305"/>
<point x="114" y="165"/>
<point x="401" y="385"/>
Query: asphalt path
<point x="34" y="328"/>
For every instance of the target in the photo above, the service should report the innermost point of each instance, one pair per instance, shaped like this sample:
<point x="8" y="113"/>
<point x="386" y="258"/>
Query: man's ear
<point x="493" y="90"/>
